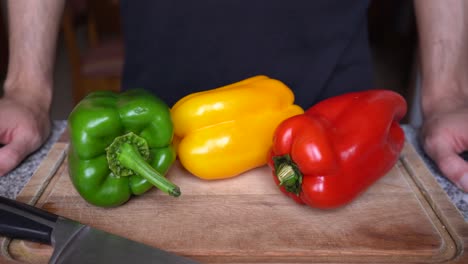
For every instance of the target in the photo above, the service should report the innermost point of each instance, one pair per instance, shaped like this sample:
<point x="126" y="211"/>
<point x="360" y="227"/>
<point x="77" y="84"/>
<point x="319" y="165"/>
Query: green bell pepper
<point x="120" y="145"/>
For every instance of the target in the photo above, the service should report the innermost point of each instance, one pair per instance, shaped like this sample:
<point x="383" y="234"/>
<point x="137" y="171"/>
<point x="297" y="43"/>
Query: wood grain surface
<point x="404" y="218"/>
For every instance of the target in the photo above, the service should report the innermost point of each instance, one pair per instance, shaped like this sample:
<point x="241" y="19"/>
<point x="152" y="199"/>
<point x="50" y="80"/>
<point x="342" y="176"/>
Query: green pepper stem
<point x="130" y="158"/>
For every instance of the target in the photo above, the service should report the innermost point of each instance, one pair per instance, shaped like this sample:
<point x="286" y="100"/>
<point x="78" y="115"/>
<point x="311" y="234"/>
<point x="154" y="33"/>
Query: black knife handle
<point x="22" y="221"/>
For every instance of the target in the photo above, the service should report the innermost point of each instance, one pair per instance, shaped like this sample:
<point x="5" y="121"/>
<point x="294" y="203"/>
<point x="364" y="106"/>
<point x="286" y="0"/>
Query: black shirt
<point x="318" y="48"/>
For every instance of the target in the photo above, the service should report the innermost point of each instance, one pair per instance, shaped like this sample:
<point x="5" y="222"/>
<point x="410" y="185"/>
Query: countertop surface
<point x="12" y="183"/>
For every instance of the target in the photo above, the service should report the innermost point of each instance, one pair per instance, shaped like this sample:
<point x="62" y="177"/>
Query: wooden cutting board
<point x="404" y="218"/>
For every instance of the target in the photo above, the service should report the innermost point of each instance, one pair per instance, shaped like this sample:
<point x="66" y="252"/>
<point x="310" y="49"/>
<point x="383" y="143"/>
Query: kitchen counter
<point x="12" y="183"/>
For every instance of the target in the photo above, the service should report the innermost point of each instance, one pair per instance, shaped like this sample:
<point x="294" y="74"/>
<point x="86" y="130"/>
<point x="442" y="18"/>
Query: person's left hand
<point x="445" y="137"/>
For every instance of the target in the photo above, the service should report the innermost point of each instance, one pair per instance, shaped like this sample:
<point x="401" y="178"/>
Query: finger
<point x="11" y="155"/>
<point x="454" y="167"/>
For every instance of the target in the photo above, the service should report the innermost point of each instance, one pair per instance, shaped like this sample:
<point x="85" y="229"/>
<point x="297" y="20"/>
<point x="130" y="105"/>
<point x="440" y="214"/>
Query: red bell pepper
<point x="339" y="147"/>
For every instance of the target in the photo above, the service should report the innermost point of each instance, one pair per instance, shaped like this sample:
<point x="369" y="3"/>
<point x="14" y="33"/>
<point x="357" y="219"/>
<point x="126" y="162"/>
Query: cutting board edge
<point x="439" y="201"/>
<point x="37" y="185"/>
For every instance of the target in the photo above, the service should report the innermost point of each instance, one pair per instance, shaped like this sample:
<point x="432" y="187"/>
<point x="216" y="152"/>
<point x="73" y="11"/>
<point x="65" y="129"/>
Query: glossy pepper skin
<point x="339" y="147"/>
<point x="120" y="145"/>
<point x="226" y="131"/>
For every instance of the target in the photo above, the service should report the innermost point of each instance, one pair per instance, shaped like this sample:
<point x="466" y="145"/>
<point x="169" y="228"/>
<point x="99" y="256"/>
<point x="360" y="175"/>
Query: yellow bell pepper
<point x="223" y="132"/>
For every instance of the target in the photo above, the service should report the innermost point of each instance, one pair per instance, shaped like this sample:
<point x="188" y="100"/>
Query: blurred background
<point x="90" y="51"/>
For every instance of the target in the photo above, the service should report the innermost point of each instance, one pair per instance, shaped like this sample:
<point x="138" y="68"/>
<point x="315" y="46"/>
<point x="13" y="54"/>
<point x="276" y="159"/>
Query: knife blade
<point x="74" y="242"/>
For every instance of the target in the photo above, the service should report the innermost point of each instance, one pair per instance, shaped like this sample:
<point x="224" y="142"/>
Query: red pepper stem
<point x="130" y="158"/>
<point x="288" y="174"/>
<point x="285" y="173"/>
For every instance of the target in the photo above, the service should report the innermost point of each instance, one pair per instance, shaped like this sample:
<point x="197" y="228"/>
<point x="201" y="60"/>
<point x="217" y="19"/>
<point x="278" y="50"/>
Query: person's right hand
<point x="24" y="126"/>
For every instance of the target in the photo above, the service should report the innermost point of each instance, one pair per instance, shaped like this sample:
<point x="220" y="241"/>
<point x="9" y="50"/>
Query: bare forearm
<point x="33" y="29"/>
<point x="443" y="39"/>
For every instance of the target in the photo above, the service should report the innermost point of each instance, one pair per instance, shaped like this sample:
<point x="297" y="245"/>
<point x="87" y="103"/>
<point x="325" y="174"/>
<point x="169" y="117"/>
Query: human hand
<point x="24" y="126"/>
<point x="444" y="137"/>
